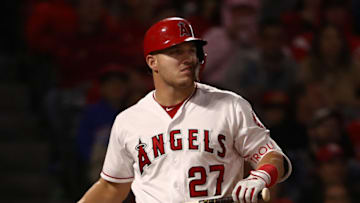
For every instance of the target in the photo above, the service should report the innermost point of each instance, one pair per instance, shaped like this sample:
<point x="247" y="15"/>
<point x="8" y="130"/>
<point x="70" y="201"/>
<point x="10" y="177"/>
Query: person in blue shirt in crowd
<point x="96" y="120"/>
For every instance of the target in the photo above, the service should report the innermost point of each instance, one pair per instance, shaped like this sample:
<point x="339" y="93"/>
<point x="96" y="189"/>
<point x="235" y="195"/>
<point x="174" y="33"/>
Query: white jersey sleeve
<point x="253" y="140"/>
<point x="117" y="157"/>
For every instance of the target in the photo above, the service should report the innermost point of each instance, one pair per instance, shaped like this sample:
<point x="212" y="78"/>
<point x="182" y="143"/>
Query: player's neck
<point x="171" y="96"/>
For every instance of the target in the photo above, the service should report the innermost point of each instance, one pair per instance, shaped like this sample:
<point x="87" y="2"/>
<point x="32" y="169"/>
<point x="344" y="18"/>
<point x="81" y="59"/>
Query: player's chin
<point x="186" y="81"/>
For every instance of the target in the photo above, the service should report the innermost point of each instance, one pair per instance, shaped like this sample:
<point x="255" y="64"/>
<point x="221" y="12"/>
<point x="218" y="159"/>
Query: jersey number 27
<point x="202" y="180"/>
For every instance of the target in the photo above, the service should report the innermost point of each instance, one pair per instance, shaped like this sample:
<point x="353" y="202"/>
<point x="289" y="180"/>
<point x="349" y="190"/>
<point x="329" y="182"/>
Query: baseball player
<point x="186" y="141"/>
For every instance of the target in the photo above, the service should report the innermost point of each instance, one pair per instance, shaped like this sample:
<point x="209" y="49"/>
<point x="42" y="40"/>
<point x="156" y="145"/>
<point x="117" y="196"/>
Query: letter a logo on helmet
<point x="183" y="30"/>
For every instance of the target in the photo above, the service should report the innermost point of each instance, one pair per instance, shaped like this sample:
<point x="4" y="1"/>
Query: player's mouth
<point x="187" y="71"/>
<point x="188" y="68"/>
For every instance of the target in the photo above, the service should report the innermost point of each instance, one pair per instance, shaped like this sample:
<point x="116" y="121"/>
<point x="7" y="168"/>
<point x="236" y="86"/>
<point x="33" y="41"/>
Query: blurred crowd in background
<point x="296" y="61"/>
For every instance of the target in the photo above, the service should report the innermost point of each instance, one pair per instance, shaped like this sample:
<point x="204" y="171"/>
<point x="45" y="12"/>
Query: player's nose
<point x="190" y="57"/>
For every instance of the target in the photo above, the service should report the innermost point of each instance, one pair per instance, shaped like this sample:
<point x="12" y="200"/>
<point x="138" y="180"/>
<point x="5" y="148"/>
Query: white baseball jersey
<point x="197" y="154"/>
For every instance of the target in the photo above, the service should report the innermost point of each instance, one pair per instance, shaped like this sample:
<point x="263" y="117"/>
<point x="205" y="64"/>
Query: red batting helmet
<point x="170" y="32"/>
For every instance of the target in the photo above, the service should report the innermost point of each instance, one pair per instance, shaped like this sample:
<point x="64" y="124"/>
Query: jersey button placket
<point x="176" y="185"/>
<point x="177" y="160"/>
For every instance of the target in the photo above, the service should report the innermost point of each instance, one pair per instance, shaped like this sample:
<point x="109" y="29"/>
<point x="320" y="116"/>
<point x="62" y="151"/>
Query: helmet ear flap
<point x="201" y="65"/>
<point x="200" y="54"/>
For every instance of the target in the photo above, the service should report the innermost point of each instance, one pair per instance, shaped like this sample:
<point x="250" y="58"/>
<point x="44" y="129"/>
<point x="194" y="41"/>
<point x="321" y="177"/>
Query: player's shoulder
<point x="212" y="91"/>
<point x="215" y="96"/>
<point x="137" y="108"/>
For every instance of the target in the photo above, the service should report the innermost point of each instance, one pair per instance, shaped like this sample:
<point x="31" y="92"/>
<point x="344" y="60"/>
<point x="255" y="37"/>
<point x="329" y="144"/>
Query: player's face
<point x="176" y="66"/>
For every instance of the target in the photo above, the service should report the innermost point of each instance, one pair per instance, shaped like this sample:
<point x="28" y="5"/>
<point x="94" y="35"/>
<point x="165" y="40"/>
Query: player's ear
<point x="152" y="62"/>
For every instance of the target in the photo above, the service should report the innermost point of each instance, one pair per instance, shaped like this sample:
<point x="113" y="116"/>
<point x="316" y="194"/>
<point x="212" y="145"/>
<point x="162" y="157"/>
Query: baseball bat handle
<point x="265" y="195"/>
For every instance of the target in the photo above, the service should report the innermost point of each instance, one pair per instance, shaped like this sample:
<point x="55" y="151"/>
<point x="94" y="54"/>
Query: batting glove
<point x="247" y="190"/>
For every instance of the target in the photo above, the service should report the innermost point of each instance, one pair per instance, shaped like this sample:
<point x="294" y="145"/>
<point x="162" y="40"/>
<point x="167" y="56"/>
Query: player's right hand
<point x="247" y="190"/>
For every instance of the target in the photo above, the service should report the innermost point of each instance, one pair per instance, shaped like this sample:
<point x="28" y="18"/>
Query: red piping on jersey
<point x="115" y="177"/>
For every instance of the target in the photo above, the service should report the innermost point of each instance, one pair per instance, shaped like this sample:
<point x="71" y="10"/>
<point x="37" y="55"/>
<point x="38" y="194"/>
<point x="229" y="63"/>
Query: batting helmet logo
<point x="183" y="30"/>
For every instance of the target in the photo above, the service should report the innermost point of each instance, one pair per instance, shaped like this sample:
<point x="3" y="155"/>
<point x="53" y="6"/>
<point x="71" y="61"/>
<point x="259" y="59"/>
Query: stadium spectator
<point x="202" y="14"/>
<point x="96" y="119"/>
<point x="270" y="67"/>
<point x="338" y="193"/>
<point x="330" y="166"/>
<point x="236" y="36"/>
<point x="331" y="65"/>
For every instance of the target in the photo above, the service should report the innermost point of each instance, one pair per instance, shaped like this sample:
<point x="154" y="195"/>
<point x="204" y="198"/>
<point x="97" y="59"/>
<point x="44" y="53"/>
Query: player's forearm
<point x="276" y="159"/>
<point x="105" y="192"/>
